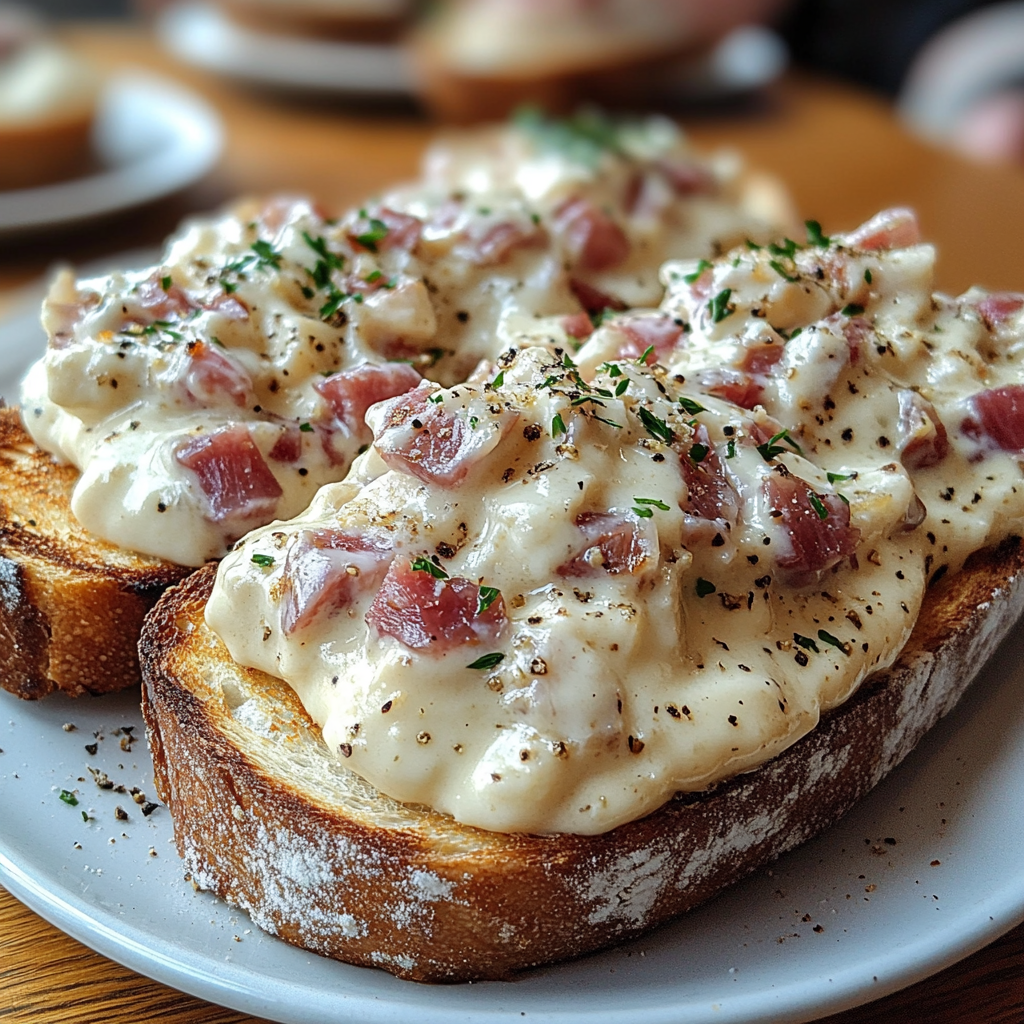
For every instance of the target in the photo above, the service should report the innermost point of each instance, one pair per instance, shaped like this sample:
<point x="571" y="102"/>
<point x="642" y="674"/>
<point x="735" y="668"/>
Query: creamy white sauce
<point x="710" y="652"/>
<point x="432" y="275"/>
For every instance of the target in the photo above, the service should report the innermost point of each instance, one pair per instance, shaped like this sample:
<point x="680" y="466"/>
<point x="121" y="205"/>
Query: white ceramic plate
<point x="198" y="33"/>
<point x="152" y="139"/>
<point x="201" y="35"/>
<point x="925" y="871"/>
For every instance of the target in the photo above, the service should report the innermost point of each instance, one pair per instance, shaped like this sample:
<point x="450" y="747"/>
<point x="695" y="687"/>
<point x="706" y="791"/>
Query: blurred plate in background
<point x="201" y="35"/>
<point x="152" y="138"/>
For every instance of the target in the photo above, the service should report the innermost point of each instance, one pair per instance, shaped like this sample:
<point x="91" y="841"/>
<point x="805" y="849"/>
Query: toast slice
<point x="71" y="606"/>
<point x="477" y="62"/>
<point x="266" y="818"/>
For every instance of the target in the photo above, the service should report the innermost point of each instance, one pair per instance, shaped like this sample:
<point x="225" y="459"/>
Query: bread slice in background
<point x="618" y="80"/>
<point x="71" y="605"/>
<point x="266" y="818"/>
<point x="349" y="21"/>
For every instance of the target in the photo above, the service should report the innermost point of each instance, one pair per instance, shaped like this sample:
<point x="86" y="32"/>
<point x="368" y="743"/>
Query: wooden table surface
<point x="843" y="155"/>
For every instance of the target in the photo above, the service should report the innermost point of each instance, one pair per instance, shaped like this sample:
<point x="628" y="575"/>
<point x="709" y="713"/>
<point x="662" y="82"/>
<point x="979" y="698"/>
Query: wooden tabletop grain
<point x="842" y="154"/>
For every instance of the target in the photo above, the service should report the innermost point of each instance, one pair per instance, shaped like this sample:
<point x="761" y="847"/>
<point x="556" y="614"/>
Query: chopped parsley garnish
<point x="321" y="275"/>
<point x="690" y="406"/>
<point x="267" y="256"/>
<point x="655" y="426"/>
<point x="806" y="643"/>
<point x="753" y="246"/>
<point x="828" y="638"/>
<point x="795" y="332"/>
<point x="165" y="282"/>
<point x="157" y="327"/>
<point x="473" y="421"/>
<point x="376" y="275"/>
<point x="306" y="428"/>
<point x="437" y="399"/>
<point x="836" y="477"/>
<point x="557" y="425"/>
<point x="852" y="309"/>
<point x="583" y="138"/>
<point x="621" y="387"/>
<point x="781" y="271"/>
<point x="730" y="449"/>
<point x="699" y="452"/>
<point x="814" y="234"/>
<point x="702" y="265"/>
<point x="266" y="561"/>
<point x="867" y="275"/>
<point x="642" y="359"/>
<point x="330" y="307"/>
<point x="263" y="255"/>
<point x="376" y="234"/>
<point x="704" y="587"/>
<point x="68" y="797"/>
<point x="487" y="660"/>
<point x="426" y="565"/>
<point x="498" y="380"/>
<point x="789" y="248"/>
<point x="600" y="316"/>
<point x="646" y="513"/>
<point x="217" y="341"/>
<point x="238" y="265"/>
<point x="486" y="597"/>
<point x="719" y="306"/>
<point x="818" y="505"/>
<point x="331" y="260"/>
<point x="771" y="448"/>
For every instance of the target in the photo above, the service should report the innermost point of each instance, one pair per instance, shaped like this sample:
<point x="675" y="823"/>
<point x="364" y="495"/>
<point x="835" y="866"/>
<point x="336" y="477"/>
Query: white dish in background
<point x="887" y="916"/>
<point x="152" y="139"/>
<point x="200" y="34"/>
<point x="748" y="58"/>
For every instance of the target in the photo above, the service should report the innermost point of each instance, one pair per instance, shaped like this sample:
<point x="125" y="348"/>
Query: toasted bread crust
<point x="265" y="817"/>
<point x="54" y="150"/>
<point x="71" y="606"/>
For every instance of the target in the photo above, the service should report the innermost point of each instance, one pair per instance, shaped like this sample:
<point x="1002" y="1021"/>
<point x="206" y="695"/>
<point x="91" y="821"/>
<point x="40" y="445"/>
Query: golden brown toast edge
<point x="71" y="605"/>
<point x="373" y="882"/>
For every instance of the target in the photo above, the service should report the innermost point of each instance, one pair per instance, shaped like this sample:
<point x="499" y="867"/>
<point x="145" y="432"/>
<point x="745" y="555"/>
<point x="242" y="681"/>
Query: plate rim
<point x="179" y="965"/>
<point x="796" y="1000"/>
<point x="304" y="64"/>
